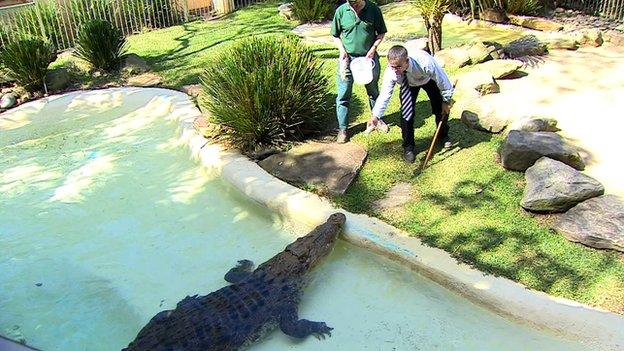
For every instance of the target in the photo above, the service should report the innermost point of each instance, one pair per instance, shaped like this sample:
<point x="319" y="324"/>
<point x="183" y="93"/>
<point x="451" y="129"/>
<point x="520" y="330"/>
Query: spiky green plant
<point x="312" y="10"/>
<point x="265" y="91"/>
<point x="523" y="7"/>
<point x="100" y="44"/>
<point x="26" y="60"/>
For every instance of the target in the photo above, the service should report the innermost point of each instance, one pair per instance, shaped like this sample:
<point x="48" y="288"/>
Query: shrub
<point x="100" y="44"/>
<point x="313" y="10"/>
<point x="265" y="91"/>
<point x="26" y="60"/>
<point x="523" y="7"/>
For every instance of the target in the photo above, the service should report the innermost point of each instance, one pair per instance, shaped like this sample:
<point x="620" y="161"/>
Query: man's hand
<point x="371" y="53"/>
<point x="343" y="55"/>
<point x="446" y="109"/>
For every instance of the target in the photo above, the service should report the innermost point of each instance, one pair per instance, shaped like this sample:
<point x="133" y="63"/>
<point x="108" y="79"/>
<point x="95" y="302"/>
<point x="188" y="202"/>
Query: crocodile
<point x="256" y="302"/>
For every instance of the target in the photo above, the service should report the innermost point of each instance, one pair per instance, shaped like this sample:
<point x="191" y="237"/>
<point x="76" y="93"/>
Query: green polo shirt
<point x="358" y="34"/>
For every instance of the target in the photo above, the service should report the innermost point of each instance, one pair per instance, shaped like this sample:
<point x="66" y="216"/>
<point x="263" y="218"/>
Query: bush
<point x="265" y="91"/>
<point x="26" y="60"/>
<point x="523" y="7"/>
<point x="100" y="44"/>
<point x="313" y="10"/>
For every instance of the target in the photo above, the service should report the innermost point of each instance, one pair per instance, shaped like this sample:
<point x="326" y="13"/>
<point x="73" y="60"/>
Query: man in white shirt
<point x="412" y="72"/>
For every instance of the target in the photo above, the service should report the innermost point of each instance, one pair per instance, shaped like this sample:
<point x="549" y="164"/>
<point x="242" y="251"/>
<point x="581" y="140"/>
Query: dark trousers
<point x="435" y="97"/>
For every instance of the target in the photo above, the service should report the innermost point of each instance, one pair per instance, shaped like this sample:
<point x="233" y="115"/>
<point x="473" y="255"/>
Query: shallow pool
<point x="105" y="221"/>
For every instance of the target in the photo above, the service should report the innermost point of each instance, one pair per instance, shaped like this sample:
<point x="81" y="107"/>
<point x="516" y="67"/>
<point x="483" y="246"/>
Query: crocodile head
<point x="310" y="249"/>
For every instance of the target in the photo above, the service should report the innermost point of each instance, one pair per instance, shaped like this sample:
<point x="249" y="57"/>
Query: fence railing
<point x="60" y="20"/>
<point x="613" y="9"/>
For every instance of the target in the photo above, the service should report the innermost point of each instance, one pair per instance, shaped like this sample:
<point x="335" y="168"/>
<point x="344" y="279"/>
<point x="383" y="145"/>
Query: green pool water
<point x="105" y="220"/>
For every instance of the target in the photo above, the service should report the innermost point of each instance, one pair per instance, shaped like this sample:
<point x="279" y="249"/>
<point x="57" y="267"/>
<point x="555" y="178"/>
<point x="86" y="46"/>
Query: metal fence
<point x="60" y="20"/>
<point x="613" y="9"/>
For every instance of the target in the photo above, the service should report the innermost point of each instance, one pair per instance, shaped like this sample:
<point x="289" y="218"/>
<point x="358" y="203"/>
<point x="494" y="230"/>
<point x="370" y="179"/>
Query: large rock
<point x="537" y="23"/>
<point x="416" y="44"/>
<point x="535" y="124"/>
<point x="496" y="15"/>
<point x="553" y="186"/>
<point x="588" y="37"/>
<point x="480" y="114"/>
<point x="145" y="80"/>
<point x="597" y="222"/>
<point x="328" y="166"/>
<point x="58" y="79"/>
<point x="8" y="100"/>
<point x="480" y="82"/>
<point x="500" y="68"/>
<point x="528" y="45"/>
<point x="134" y="64"/>
<point x="558" y="41"/>
<point x="479" y="52"/>
<point x="453" y="58"/>
<point x="192" y="89"/>
<point x="521" y="149"/>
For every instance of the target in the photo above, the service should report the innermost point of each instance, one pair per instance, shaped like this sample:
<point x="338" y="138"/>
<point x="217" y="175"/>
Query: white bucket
<point x="362" y="70"/>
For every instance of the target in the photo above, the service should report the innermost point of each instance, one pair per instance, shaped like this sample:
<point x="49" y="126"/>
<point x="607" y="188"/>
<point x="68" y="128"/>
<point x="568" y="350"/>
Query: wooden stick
<point x="435" y="137"/>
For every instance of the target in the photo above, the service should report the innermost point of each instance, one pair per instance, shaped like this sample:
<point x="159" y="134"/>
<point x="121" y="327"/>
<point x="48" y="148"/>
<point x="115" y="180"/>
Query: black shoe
<point x="409" y="156"/>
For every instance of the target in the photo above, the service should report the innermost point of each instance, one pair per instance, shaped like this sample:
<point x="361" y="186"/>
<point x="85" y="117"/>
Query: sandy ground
<point x="584" y="91"/>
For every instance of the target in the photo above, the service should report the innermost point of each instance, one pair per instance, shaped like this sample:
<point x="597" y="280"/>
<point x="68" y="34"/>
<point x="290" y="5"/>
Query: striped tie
<point x="407" y="106"/>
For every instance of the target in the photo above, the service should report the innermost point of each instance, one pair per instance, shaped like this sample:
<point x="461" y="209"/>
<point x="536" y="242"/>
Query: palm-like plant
<point x="26" y="60"/>
<point x="265" y="91"/>
<point x="432" y="12"/>
<point x="100" y="44"/>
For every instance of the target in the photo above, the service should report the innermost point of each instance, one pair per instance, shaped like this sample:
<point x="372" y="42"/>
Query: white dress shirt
<point x="422" y="68"/>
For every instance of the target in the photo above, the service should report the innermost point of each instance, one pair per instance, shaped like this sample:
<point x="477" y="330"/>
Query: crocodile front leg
<point x="291" y="325"/>
<point x="243" y="269"/>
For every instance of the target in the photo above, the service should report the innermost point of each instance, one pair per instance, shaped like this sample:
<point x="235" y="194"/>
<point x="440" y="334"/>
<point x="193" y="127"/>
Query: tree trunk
<point x="434" y="34"/>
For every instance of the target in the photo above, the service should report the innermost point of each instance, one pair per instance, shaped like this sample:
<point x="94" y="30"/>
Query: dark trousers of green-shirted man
<point x="358" y="28"/>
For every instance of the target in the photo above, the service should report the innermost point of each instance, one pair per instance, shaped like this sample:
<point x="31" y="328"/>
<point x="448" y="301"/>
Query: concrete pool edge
<point x="594" y="327"/>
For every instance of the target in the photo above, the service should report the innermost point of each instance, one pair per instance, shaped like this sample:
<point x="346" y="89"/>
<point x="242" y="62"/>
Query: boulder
<point x="597" y="222"/>
<point x="145" y="80"/>
<point x="527" y="45"/>
<point x="535" y="124"/>
<point x="192" y="89"/>
<point x="330" y="167"/>
<point x="537" y="23"/>
<point x="8" y="100"/>
<point x="416" y="44"/>
<point x="494" y="14"/>
<point x="134" y="64"/>
<point x="560" y="42"/>
<point x="521" y="149"/>
<point x="499" y="68"/>
<point x="480" y="114"/>
<point x="480" y="81"/>
<point x="479" y="52"/>
<point x="614" y="37"/>
<point x="286" y="11"/>
<point x="453" y="58"/>
<point x="588" y="37"/>
<point x="553" y="186"/>
<point x="58" y="79"/>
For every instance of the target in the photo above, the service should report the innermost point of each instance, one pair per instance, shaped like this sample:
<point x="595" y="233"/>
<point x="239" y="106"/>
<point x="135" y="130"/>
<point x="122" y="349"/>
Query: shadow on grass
<point x="514" y="246"/>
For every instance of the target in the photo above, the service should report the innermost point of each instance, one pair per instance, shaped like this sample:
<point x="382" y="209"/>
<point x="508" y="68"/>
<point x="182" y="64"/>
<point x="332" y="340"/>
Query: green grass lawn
<point x="464" y="202"/>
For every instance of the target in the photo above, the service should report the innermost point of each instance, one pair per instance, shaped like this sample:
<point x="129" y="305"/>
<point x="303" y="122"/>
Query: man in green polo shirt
<point x="358" y="28"/>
